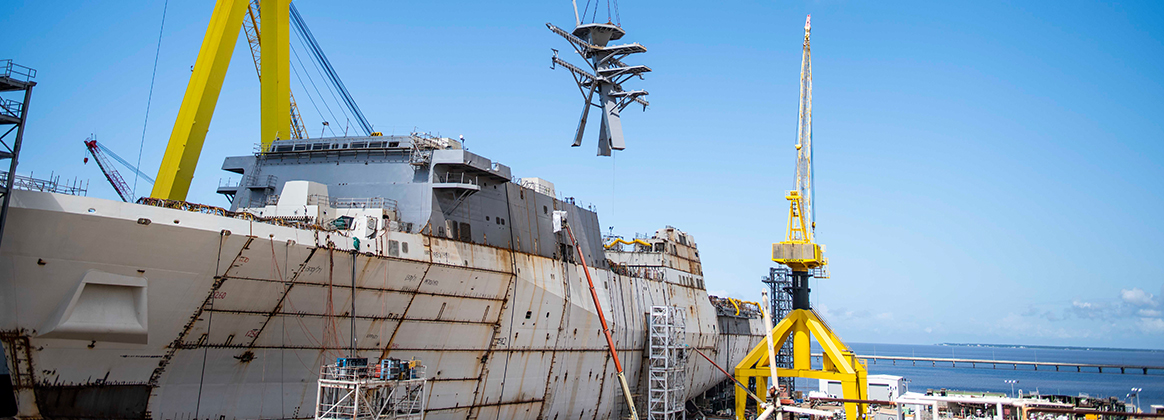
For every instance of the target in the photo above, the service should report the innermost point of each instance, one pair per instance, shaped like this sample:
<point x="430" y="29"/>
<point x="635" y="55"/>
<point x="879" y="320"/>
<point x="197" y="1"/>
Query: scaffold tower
<point x="779" y="281"/>
<point x="388" y="391"/>
<point x="667" y="375"/>
<point x="14" y="79"/>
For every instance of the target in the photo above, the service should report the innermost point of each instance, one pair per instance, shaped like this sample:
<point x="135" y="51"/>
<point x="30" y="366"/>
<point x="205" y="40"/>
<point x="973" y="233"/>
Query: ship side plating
<point x="176" y="310"/>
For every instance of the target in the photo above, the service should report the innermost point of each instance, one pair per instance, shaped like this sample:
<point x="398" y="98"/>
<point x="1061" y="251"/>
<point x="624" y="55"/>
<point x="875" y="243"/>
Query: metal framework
<point x="605" y="75"/>
<point x="13" y="114"/>
<point x="779" y="281"/>
<point x="362" y="393"/>
<point x="667" y="368"/>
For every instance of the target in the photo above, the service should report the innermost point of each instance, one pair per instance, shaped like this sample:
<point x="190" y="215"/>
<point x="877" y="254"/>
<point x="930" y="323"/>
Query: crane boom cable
<point x="315" y="64"/>
<point x="121" y="160"/>
<point x="313" y="85"/>
<point x="301" y="26"/>
<point x="149" y="101"/>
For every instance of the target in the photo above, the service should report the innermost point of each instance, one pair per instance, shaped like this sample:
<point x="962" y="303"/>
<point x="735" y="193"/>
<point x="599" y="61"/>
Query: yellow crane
<point x="805" y="257"/>
<point x="251" y="29"/>
<point x="193" y="121"/>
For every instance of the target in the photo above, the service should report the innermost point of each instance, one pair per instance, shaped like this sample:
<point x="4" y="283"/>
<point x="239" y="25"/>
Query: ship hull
<point x="115" y="310"/>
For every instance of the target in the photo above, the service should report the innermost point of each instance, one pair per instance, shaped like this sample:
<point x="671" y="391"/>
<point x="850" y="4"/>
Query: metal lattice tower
<point x="605" y="75"/>
<point x="14" y="113"/>
<point x="667" y="373"/>
<point x="779" y="283"/>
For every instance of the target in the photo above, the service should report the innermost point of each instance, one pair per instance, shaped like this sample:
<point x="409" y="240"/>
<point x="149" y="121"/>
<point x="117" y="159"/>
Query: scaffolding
<point x="369" y="393"/>
<point x="667" y="374"/>
<point x="13" y="113"/>
<point x="779" y="281"/>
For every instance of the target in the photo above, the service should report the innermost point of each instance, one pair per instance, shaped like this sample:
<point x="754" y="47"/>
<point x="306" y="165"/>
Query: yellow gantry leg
<point x="276" y="71"/>
<point x="193" y="120"/>
<point x="839" y="364"/>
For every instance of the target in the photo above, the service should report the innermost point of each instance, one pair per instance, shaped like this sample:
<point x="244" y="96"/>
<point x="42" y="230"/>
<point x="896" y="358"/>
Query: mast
<point x="804" y="173"/>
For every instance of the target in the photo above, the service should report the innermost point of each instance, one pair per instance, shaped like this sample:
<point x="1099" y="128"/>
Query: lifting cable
<point x="150" y="98"/>
<point x="305" y="33"/>
<point x="308" y="92"/>
<point x="307" y="72"/>
<point x="586" y="10"/>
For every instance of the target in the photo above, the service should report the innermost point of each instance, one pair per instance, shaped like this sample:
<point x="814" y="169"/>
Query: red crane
<point x="107" y="168"/>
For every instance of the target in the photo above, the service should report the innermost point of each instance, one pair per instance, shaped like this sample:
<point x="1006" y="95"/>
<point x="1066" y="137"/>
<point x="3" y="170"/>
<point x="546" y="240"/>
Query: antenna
<point x="605" y="74"/>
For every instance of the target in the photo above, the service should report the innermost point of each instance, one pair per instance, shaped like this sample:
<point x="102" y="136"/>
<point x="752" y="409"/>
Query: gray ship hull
<point x="116" y="310"/>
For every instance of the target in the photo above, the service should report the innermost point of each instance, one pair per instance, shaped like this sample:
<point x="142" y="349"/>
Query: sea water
<point x="1046" y="380"/>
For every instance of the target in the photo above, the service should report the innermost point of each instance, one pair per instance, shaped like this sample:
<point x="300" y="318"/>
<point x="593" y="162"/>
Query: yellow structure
<point x="839" y="363"/>
<point x="185" y="146"/>
<point x="251" y="29"/>
<point x="276" y="69"/>
<point x="806" y="258"/>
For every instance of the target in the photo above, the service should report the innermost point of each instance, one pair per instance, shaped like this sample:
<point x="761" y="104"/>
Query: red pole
<point x="605" y="328"/>
<point x="597" y="306"/>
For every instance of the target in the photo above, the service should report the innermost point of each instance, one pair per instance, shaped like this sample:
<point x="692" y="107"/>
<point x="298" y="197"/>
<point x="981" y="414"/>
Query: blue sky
<point x="986" y="172"/>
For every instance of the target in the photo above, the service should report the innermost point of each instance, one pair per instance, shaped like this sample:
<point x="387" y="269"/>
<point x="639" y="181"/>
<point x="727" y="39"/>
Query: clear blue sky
<point x="986" y="172"/>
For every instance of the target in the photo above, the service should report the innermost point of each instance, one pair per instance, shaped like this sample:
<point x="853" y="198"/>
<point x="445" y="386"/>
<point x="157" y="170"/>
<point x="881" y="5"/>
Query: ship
<point x="404" y="246"/>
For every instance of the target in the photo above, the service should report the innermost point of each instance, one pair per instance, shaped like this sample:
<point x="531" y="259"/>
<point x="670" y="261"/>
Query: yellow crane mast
<point x="251" y="29"/>
<point x="805" y="257"/>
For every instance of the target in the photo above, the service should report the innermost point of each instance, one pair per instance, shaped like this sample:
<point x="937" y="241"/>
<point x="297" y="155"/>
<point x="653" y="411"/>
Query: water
<point x="1099" y="385"/>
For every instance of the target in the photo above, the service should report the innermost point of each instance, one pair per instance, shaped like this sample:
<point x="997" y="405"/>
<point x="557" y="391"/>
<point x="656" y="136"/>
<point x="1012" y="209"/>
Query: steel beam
<point x="181" y="158"/>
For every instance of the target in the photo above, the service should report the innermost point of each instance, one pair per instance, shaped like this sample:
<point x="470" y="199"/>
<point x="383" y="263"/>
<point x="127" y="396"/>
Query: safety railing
<point x="229" y="182"/>
<point x="323" y="145"/>
<point x="15" y="71"/>
<point x="10" y="108"/>
<point x="44" y="185"/>
<point x="364" y="203"/>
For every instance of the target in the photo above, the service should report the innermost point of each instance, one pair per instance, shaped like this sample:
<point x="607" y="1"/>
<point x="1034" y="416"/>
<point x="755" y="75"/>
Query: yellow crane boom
<point x="193" y="121"/>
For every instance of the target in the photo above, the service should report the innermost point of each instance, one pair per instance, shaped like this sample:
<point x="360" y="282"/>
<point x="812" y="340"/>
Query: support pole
<point x="630" y="402"/>
<point x="11" y="181"/>
<point x="771" y="356"/>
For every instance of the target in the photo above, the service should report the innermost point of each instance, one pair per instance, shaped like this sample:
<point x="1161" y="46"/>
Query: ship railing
<point x="229" y="182"/>
<point x="53" y="185"/>
<point x="15" y="71"/>
<point x="457" y="178"/>
<point x="323" y="145"/>
<point x="365" y="203"/>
